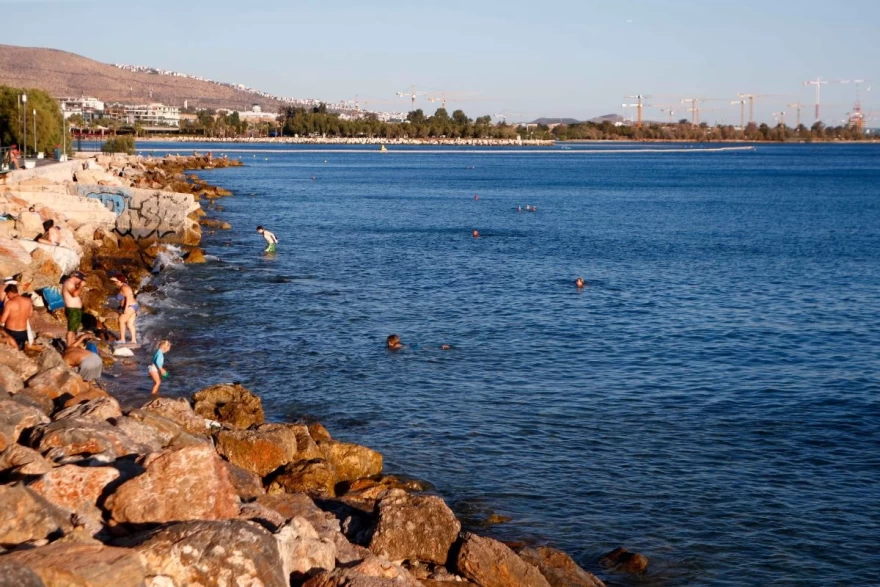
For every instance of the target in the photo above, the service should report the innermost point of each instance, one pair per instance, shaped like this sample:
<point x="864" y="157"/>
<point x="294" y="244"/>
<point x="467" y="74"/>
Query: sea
<point x="709" y="399"/>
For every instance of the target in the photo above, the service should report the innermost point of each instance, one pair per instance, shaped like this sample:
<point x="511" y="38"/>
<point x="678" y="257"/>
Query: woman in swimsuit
<point x="129" y="307"/>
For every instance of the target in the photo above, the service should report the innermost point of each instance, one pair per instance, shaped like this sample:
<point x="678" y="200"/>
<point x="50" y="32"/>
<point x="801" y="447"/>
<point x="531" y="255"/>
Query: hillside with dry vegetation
<point x="65" y="74"/>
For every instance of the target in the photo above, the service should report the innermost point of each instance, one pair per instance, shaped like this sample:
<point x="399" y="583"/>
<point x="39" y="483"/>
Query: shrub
<point x="120" y="144"/>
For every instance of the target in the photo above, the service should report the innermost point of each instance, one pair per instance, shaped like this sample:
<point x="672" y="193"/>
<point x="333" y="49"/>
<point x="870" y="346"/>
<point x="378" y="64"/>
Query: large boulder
<point x="66" y="258"/>
<point x="180" y="412"/>
<point x="489" y="563"/>
<point x="624" y="561"/>
<point x="78" y="489"/>
<point x="315" y="478"/>
<point x="351" y="461"/>
<point x="558" y="568"/>
<point x="247" y="485"/>
<point x="370" y="572"/>
<point x="160" y="216"/>
<point x="27" y="516"/>
<point x="44" y="270"/>
<point x="261" y="450"/>
<point x="17" y="361"/>
<point x="29" y="225"/>
<point x="58" y="382"/>
<point x="102" y="408"/>
<point x="303" y="552"/>
<point x="85" y="437"/>
<point x="15" y="418"/>
<point x="10" y="382"/>
<point x="13" y="575"/>
<point x="81" y="565"/>
<point x="414" y="527"/>
<point x="13" y="258"/>
<point x="230" y="404"/>
<point x="220" y="554"/>
<point x="23" y="461"/>
<point x="49" y="358"/>
<point x="34" y="399"/>
<point x="189" y="483"/>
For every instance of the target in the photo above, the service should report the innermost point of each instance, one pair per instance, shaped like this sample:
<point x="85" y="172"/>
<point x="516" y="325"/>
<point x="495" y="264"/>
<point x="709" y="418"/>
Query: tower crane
<point x="412" y="96"/>
<point x="444" y="97"/>
<point x="742" y="112"/>
<point x="797" y="106"/>
<point x="780" y="116"/>
<point x="818" y="82"/>
<point x="639" y="105"/>
<point x="751" y="99"/>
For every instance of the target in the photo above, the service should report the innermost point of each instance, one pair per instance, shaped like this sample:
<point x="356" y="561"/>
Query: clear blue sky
<point x="550" y="58"/>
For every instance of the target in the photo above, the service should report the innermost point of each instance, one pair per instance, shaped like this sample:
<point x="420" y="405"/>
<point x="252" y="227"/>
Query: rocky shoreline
<point x="202" y="491"/>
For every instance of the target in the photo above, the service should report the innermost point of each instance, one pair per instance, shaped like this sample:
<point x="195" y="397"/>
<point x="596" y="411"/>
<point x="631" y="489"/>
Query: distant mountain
<point x="548" y="121"/>
<point x="612" y="118"/>
<point x="65" y="74"/>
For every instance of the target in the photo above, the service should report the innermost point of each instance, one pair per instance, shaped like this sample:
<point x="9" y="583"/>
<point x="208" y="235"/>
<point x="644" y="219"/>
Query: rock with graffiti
<point x="153" y="215"/>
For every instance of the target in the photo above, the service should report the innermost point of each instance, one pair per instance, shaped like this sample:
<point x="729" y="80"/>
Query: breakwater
<point x="95" y="494"/>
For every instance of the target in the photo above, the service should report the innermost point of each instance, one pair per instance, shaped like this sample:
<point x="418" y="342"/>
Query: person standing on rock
<point x="128" y="306"/>
<point x="157" y="366"/>
<point x="271" y="239"/>
<point x="73" y="306"/>
<point x="16" y="313"/>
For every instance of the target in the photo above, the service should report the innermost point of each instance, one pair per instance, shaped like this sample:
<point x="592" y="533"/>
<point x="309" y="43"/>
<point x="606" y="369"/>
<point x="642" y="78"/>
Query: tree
<point x="48" y="122"/>
<point x="460" y="118"/>
<point x="416" y="116"/>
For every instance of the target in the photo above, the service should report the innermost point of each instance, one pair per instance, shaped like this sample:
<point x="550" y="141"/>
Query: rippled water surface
<point x="710" y="399"/>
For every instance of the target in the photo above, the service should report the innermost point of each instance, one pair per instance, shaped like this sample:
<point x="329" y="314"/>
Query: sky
<point x="524" y="59"/>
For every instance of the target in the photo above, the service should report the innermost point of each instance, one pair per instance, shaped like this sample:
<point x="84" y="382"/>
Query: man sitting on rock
<point x="16" y="313"/>
<point x="51" y="234"/>
<point x="87" y="363"/>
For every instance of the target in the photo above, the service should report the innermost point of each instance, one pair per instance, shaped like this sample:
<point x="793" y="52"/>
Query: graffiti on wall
<point x="115" y="199"/>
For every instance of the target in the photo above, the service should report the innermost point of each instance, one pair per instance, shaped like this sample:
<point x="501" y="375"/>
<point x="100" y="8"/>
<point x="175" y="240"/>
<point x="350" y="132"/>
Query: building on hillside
<point x="256" y="114"/>
<point x="87" y="107"/>
<point x="153" y="114"/>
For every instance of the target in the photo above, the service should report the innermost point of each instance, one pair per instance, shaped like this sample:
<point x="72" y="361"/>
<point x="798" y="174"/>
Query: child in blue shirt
<point x="157" y="366"/>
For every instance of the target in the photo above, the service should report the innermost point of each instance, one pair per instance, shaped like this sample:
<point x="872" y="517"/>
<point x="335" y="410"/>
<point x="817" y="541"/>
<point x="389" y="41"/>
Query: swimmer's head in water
<point x="393" y="342"/>
<point x="476" y="234"/>
<point x="579" y="282"/>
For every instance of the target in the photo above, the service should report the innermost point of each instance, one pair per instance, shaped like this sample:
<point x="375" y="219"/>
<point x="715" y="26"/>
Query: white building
<point x="86" y="106"/>
<point x="153" y="115"/>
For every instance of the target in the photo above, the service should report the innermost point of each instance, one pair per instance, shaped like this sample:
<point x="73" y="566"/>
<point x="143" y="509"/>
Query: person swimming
<point x="392" y="343"/>
<point x="580" y="283"/>
<point x="476" y="233"/>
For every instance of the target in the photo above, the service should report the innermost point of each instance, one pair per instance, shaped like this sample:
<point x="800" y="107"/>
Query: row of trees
<point x="14" y="114"/>
<point x="685" y="131"/>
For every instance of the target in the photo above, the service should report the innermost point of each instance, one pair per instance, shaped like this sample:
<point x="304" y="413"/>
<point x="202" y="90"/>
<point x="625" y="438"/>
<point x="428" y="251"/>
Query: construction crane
<point x="797" y="106"/>
<point x="357" y="104"/>
<point x="742" y="112"/>
<point x="751" y="99"/>
<point x="444" y="97"/>
<point x="671" y="113"/>
<point x="780" y="116"/>
<point x="412" y="96"/>
<point x="638" y="106"/>
<point x="818" y="82"/>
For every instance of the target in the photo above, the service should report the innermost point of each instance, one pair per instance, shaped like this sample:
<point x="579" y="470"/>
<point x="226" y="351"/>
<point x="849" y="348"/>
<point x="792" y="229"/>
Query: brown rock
<point x="83" y="436"/>
<point x="414" y="527"/>
<point x="195" y="256"/>
<point x="261" y="450"/>
<point x="92" y="393"/>
<point x="102" y="408"/>
<point x="45" y="272"/>
<point x="315" y="478"/>
<point x="141" y="433"/>
<point x="29" y="397"/>
<point x="189" y="483"/>
<point x="10" y="382"/>
<point x="370" y="572"/>
<point x="27" y="516"/>
<point x="220" y="554"/>
<point x="15" y="418"/>
<point x="21" y="364"/>
<point x="58" y="382"/>
<point x="76" y="488"/>
<point x="13" y="575"/>
<point x="302" y="551"/>
<point x="230" y="404"/>
<point x="247" y="485"/>
<point x="215" y="224"/>
<point x="489" y="563"/>
<point x="558" y="568"/>
<point x="318" y="432"/>
<point x="50" y="358"/>
<point x="166" y="428"/>
<point x="622" y="560"/>
<point x="81" y="565"/>
<point x="351" y="461"/>
<point x="179" y="411"/>
<point x="21" y="460"/>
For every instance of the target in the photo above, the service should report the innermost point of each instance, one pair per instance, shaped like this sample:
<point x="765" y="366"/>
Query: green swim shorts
<point x="270" y="248"/>
<point x="74" y="318"/>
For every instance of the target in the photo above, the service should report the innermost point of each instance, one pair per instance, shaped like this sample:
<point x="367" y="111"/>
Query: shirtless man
<point x="51" y="234"/>
<point x="16" y="313"/>
<point x="271" y="239"/>
<point x="87" y="364"/>
<point x="73" y="306"/>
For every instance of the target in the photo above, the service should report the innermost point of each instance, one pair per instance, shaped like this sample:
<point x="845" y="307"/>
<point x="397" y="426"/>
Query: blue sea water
<point x="710" y="399"/>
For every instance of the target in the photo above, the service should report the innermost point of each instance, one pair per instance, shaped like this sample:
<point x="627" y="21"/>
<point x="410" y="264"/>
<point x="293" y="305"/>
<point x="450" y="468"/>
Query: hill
<point x="612" y="118"/>
<point x="66" y="74"/>
<point x="549" y="121"/>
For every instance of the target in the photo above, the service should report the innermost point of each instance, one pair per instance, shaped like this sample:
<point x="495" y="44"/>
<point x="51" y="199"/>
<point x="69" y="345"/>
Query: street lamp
<point x="24" y="125"/>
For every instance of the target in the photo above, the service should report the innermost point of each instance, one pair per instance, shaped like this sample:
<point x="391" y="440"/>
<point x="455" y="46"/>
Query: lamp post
<point x="24" y="125"/>
<point x="35" y="132"/>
